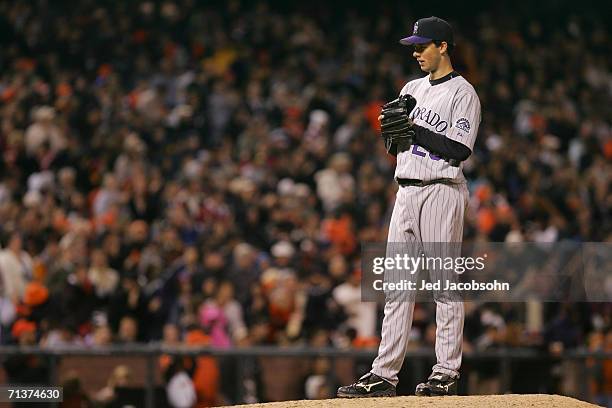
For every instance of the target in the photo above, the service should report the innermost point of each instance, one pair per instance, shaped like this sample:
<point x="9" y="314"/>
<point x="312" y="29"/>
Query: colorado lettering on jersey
<point x="430" y="117"/>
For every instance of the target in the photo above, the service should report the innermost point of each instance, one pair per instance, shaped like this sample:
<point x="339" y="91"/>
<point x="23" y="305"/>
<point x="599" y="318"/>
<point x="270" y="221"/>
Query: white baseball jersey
<point x="449" y="107"/>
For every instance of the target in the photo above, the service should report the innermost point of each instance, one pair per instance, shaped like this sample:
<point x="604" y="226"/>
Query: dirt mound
<point x="498" y="401"/>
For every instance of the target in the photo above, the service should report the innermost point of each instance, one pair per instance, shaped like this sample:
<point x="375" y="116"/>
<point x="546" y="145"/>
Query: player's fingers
<point x="380" y="117"/>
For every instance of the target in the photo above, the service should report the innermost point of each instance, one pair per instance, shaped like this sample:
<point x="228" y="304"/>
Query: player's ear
<point x="443" y="47"/>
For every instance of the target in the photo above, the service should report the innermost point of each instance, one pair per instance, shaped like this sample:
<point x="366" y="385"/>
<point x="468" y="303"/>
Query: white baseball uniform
<point x="430" y="213"/>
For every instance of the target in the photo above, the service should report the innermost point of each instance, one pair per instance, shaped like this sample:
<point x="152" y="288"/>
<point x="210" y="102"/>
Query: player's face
<point x="428" y="56"/>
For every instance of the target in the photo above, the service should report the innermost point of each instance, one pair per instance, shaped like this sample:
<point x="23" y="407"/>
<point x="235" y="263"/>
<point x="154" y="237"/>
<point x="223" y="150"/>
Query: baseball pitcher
<point x="431" y="128"/>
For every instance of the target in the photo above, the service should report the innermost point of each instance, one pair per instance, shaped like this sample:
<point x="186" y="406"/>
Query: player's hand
<point x="400" y="106"/>
<point x="395" y="116"/>
<point x="396" y="125"/>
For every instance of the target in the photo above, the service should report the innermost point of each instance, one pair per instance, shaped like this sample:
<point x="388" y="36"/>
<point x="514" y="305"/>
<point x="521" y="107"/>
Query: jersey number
<point x="421" y="153"/>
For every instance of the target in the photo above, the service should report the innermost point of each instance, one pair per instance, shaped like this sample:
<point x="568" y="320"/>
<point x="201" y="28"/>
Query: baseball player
<point x="431" y="128"/>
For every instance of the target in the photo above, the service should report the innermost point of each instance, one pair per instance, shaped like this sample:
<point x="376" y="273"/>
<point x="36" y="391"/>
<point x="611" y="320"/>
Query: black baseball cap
<point x="430" y="29"/>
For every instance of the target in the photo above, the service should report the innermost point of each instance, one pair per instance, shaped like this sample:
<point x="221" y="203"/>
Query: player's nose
<point x="416" y="54"/>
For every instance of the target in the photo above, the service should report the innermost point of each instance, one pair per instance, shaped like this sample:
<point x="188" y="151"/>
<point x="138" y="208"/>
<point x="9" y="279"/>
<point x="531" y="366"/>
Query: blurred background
<point x="201" y="173"/>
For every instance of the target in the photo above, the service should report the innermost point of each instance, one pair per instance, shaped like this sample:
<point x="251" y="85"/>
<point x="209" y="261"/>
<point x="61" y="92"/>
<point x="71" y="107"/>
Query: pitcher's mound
<point x="498" y="401"/>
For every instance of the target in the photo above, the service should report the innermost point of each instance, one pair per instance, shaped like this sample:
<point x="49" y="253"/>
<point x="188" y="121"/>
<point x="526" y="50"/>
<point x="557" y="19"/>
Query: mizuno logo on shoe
<point x="367" y="387"/>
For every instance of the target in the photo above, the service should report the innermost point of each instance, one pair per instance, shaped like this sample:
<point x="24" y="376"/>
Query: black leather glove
<point x="396" y="125"/>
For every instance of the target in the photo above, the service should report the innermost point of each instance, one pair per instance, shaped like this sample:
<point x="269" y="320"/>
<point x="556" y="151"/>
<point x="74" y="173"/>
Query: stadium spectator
<point x="120" y="377"/>
<point x="361" y="315"/>
<point x="15" y="268"/>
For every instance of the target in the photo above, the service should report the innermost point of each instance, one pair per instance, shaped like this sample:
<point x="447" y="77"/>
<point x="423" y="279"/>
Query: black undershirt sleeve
<point x="440" y="144"/>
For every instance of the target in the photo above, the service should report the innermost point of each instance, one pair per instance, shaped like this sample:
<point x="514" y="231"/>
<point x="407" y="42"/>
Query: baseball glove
<point x="396" y="125"/>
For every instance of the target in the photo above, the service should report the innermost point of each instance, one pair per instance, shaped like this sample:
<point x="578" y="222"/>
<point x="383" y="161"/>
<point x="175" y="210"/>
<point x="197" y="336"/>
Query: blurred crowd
<point x="170" y="167"/>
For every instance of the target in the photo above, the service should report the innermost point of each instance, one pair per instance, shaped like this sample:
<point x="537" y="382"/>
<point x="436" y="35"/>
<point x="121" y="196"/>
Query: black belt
<point x="420" y="183"/>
